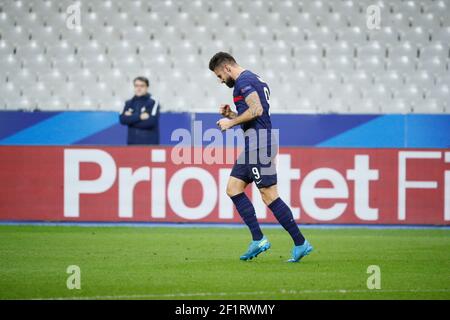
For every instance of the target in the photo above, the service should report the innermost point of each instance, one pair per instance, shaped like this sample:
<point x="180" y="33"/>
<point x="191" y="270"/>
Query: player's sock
<point x="285" y="218"/>
<point x="247" y="213"/>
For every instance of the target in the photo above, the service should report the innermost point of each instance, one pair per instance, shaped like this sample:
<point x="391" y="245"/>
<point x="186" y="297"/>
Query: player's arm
<point x="255" y="109"/>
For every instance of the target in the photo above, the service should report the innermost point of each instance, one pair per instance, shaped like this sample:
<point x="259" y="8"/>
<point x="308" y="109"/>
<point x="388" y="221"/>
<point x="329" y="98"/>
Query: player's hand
<point x="144" y="116"/>
<point x="224" y="124"/>
<point x="128" y="113"/>
<point x="225" y="110"/>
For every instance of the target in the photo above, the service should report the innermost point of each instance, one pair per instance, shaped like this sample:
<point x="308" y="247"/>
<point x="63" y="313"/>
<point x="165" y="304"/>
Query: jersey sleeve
<point x="245" y="88"/>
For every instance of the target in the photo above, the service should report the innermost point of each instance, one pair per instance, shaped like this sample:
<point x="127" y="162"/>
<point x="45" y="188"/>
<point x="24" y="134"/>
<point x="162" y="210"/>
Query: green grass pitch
<point x="203" y="263"/>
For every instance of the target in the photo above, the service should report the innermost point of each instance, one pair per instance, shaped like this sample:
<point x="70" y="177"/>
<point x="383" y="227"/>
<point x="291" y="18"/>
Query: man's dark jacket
<point x="141" y="131"/>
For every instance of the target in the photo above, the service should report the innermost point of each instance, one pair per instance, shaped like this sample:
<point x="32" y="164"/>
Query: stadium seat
<point x="440" y="92"/>
<point x="25" y="77"/>
<point x="412" y="94"/>
<point x="342" y="64"/>
<point x="436" y="50"/>
<point x="334" y="21"/>
<point x="385" y="35"/>
<point x="434" y="64"/>
<point x="347" y="93"/>
<point x="417" y="35"/>
<point x="359" y="78"/>
<point x="371" y="64"/>
<point x="373" y="48"/>
<point x="428" y="21"/>
<point x="429" y="106"/>
<point x="380" y="94"/>
<point x="402" y="63"/>
<point x="423" y="79"/>
<point x="9" y="96"/>
<point x="322" y="35"/>
<point x="398" y="20"/>
<point x="50" y="79"/>
<point x="368" y="106"/>
<point x="288" y="10"/>
<point x="397" y="106"/>
<point x="353" y="35"/>
<point x="316" y="7"/>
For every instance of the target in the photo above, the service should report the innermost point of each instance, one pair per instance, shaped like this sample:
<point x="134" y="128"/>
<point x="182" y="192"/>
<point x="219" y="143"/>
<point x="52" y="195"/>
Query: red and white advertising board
<point x="322" y="185"/>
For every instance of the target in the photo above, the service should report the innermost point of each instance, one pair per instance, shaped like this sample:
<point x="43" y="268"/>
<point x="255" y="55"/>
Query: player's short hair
<point x="220" y="58"/>
<point x="143" y="79"/>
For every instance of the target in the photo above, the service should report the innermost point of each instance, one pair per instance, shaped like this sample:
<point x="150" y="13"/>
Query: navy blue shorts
<point x="254" y="169"/>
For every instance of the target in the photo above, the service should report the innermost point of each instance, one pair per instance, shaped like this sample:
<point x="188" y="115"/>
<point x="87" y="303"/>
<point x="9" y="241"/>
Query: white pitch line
<point x="222" y="294"/>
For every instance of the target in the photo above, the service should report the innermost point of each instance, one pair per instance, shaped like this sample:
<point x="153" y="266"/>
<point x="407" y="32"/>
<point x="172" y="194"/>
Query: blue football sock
<point x="285" y="218"/>
<point x="247" y="213"/>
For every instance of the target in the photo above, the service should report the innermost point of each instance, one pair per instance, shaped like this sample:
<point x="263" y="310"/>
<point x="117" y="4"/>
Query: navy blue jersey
<point x="246" y="83"/>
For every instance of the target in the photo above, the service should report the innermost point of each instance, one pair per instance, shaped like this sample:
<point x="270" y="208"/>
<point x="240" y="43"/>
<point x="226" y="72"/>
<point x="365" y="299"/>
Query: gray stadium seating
<point x="318" y="56"/>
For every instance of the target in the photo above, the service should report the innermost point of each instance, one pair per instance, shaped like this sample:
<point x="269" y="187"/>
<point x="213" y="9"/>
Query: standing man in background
<point x="141" y="115"/>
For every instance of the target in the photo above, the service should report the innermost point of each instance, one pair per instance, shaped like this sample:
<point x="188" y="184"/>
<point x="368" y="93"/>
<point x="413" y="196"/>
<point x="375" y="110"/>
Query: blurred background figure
<point x="141" y="115"/>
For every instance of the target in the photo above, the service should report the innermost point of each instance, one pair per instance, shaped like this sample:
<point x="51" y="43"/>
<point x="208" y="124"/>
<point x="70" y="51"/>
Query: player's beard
<point x="230" y="82"/>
